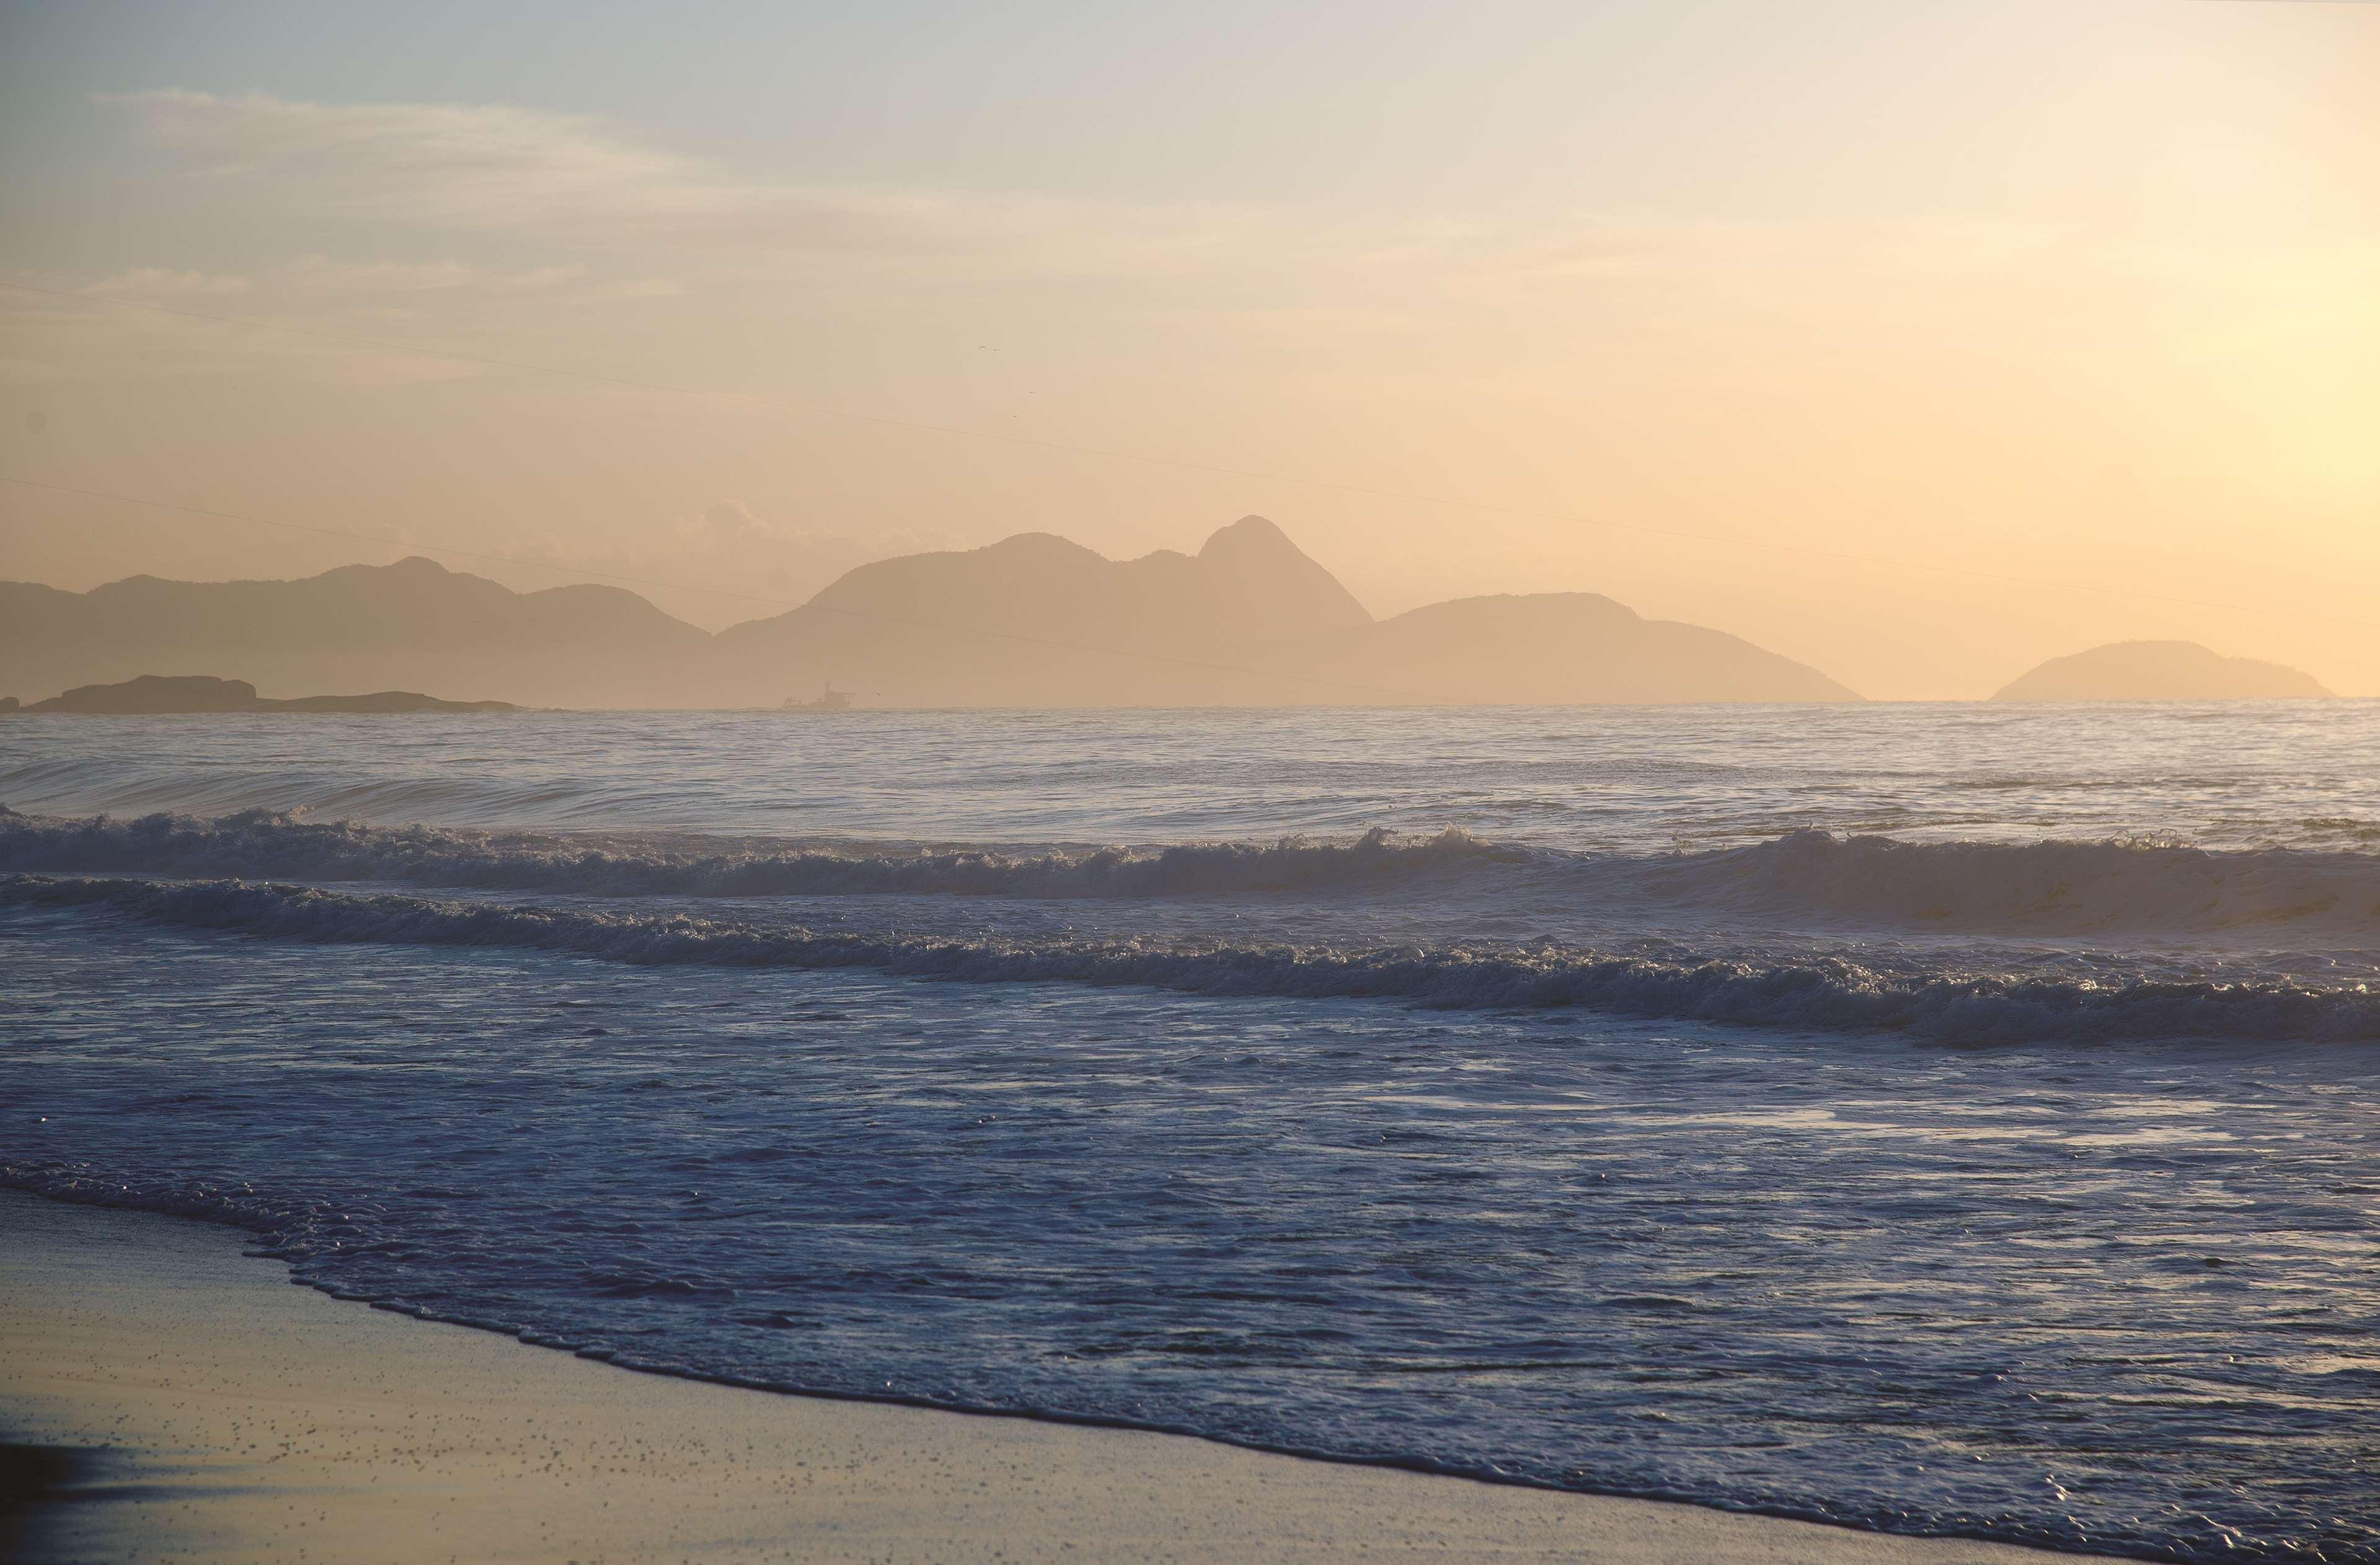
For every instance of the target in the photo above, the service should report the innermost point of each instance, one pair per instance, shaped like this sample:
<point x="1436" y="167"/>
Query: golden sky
<point x="1918" y="341"/>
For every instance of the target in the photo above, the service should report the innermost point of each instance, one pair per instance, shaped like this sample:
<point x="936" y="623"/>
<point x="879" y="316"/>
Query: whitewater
<point x="1953" y="1120"/>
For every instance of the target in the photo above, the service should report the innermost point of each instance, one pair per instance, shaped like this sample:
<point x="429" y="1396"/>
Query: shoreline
<point x="189" y="1402"/>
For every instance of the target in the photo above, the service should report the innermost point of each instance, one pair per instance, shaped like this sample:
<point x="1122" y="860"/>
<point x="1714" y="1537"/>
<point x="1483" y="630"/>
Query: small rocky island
<point x="2160" y="670"/>
<point x="156" y="694"/>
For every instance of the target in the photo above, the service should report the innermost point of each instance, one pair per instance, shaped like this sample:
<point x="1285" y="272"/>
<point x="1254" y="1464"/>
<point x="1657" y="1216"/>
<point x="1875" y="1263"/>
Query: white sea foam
<point x="1496" y="1099"/>
<point x="260" y="843"/>
<point x="1834" y="994"/>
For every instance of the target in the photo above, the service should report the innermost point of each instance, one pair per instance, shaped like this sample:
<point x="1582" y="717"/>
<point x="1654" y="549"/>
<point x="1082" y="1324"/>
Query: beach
<point x="229" y="1415"/>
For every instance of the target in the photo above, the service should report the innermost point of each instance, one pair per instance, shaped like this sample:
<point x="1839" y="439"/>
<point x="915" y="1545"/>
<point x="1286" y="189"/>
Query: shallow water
<point x="1997" y="1178"/>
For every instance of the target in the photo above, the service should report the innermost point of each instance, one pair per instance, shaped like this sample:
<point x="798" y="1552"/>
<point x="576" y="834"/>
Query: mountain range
<point x="1033" y="620"/>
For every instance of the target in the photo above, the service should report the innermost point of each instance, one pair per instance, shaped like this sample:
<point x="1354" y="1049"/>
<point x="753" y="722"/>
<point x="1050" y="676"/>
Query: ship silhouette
<point x="830" y="700"/>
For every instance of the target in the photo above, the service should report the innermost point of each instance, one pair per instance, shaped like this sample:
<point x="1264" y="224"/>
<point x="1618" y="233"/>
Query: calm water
<point x="1948" y="1119"/>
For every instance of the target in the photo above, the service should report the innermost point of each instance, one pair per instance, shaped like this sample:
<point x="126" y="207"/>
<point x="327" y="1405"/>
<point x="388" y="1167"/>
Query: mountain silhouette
<point x="1033" y="620"/>
<point x="414" y="625"/>
<point x="2158" y="671"/>
<point x="1037" y="620"/>
<point x="1559" y="649"/>
<point x="1249" y="583"/>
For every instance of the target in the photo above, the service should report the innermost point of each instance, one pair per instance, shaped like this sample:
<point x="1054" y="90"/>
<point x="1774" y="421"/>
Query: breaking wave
<point x="2046" y="887"/>
<point x="2043" y="887"/>
<point x="1820" y="993"/>
<point x="260" y="843"/>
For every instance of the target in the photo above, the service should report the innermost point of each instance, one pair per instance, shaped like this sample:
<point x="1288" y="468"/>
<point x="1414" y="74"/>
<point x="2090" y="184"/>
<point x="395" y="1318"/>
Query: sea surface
<point x="1954" y="1119"/>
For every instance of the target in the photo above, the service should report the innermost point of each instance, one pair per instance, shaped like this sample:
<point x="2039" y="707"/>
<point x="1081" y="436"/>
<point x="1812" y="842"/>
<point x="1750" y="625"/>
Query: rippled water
<point x="2009" y="1175"/>
<point x="2297" y="773"/>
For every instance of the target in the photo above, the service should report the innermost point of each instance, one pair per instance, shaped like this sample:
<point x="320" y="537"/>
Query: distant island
<point x="1032" y="620"/>
<point x="2160" y="671"/>
<point x="156" y="694"/>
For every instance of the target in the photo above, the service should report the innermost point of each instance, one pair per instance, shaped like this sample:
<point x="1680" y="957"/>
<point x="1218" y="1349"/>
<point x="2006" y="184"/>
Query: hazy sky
<point x="2065" y="291"/>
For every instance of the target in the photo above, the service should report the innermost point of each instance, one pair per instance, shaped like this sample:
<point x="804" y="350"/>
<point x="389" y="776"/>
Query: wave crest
<point x="268" y="844"/>
<point x="1828" y="993"/>
<point x="2046" y="887"/>
<point x="1804" y="878"/>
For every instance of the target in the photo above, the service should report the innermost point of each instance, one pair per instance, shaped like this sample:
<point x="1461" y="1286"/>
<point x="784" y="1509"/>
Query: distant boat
<point x="832" y="700"/>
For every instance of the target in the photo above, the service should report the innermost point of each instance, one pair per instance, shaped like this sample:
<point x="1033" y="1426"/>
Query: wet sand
<point x="167" y="1398"/>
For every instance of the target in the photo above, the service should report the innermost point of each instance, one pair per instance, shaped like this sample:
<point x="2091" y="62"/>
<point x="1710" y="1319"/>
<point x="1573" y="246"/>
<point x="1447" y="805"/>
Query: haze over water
<point x="1952" y="1120"/>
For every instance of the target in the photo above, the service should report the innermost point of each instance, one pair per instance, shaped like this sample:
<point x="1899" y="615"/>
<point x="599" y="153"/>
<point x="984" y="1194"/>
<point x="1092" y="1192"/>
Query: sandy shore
<point x="171" y="1399"/>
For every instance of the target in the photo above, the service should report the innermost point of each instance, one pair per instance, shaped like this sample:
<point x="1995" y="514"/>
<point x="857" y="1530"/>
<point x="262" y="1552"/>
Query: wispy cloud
<point x="1514" y="301"/>
<point x="498" y="168"/>
<point x="317" y="276"/>
<point x="158" y="283"/>
<point x="320" y="274"/>
<point x="586" y="187"/>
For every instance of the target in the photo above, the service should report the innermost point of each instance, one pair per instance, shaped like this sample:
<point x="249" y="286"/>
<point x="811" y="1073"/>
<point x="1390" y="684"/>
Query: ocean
<point x="1957" y="1119"/>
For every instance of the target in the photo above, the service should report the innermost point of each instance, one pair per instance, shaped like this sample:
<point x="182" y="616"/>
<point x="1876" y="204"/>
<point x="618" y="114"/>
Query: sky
<point x="1919" y="341"/>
